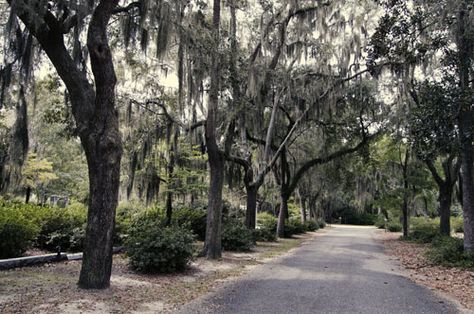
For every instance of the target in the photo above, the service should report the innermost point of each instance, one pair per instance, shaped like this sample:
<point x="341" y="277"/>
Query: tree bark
<point x="212" y="245"/>
<point x="28" y="195"/>
<point x="465" y="50"/>
<point x="405" y="212"/>
<point x="445" y="188"/>
<point x="283" y="213"/>
<point x="251" y="211"/>
<point x="302" y="206"/>
<point x="445" y="197"/>
<point x="97" y="125"/>
<point x="103" y="147"/>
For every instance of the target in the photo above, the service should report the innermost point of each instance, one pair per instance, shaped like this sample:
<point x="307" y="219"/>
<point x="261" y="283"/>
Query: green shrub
<point x="154" y="249"/>
<point x="293" y="226"/>
<point x="321" y="223"/>
<point x="311" y="225"/>
<point x="236" y="237"/>
<point x="457" y="224"/>
<point x="61" y="227"/>
<point x="449" y="251"/>
<point x="264" y="235"/>
<point x="193" y="219"/>
<point x="16" y="232"/>
<point x="352" y="217"/>
<point x="267" y="221"/>
<point x="423" y="230"/>
<point x="394" y="226"/>
<point x="381" y="222"/>
<point x="266" y="227"/>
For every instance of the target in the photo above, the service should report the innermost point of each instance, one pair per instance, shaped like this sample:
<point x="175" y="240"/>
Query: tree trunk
<point x="103" y="157"/>
<point x="251" y="211"/>
<point x="212" y="244"/>
<point x="97" y="125"/>
<point x="445" y="197"/>
<point x="103" y="148"/>
<point x="405" y="212"/>
<point x="468" y="197"/>
<point x="282" y="215"/>
<point x="169" y="207"/>
<point x="28" y="195"/>
<point x="302" y="206"/>
<point x="465" y="49"/>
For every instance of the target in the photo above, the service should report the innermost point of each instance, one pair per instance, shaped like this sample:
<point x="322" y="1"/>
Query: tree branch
<point x="323" y="160"/>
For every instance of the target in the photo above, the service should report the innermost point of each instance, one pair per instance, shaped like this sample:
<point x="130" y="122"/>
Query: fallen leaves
<point x="455" y="282"/>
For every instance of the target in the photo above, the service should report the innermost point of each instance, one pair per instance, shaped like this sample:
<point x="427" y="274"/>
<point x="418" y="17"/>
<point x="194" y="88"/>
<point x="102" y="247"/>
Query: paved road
<point x="343" y="271"/>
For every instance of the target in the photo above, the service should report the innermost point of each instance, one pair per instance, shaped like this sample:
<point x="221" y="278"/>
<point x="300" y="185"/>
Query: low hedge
<point x="17" y="232"/>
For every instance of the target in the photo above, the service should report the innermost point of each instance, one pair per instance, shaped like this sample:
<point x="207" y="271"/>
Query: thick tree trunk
<point x="103" y="147"/>
<point x="445" y="197"/>
<point x="282" y="215"/>
<point x="97" y="125"/>
<point x="468" y="196"/>
<point x="251" y="211"/>
<point x="466" y="119"/>
<point x="103" y="157"/>
<point x="212" y="244"/>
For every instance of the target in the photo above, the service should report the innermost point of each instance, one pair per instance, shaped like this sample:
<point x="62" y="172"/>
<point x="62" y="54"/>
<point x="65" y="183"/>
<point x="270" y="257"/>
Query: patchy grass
<point x="456" y="282"/>
<point x="51" y="288"/>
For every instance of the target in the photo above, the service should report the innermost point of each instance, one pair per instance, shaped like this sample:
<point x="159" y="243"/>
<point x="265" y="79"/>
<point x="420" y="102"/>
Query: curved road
<point x="342" y="271"/>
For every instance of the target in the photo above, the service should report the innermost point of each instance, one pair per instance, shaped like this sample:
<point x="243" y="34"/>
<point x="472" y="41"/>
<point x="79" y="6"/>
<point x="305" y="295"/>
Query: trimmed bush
<point x="448" y="251"/>
<point x="394" y="226"/>
<point x="423" y="230"/>
<point x="17" y="233"/>
<point x="236" y="237"/>
<point x="154" y="249"/>
<point x="311" y="225"/>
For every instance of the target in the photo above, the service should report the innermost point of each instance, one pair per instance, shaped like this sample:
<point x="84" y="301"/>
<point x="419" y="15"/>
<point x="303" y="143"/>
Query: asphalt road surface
<point x="342" y="271"/>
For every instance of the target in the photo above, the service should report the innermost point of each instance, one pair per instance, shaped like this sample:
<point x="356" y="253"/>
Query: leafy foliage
<point x="423" y="230"/>
<point x="236" y="237"/>
<point x="394" y="226"/>
<point x="17" y="232"/>
<point x="449" y="251"/>
<point x="311" y="225"/>
<point x="154" y="249"/>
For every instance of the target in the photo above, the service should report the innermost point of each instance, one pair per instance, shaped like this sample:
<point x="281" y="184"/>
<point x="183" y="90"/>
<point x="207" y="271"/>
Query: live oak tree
<point x="408" y="36"/>
<point x="433" y="136"/>
<point x="94" y="112"/>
